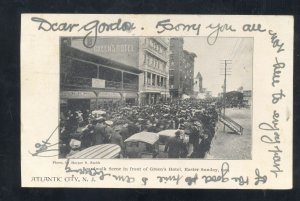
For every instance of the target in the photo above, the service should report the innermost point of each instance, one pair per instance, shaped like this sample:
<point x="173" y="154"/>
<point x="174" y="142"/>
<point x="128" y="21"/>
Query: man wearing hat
<point x="181" y="123"/>
<point x="75" y="147"/>
<point x="109" y="131"/>
<point x="132" y="128"/>
<point x="124" y="132"/>
<point x="116" y="138"/>
<point x="99" y="130"/>
<point x="175" y="146"/>
<point x="201" y="148"/>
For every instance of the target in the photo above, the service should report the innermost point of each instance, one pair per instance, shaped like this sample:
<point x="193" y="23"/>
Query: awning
<point x="77" y="95"/>
<point x="109" y="95"/>
<point x="130" y="95"/>
<point x="147" y="137"/>
<point x="99" y="151"/>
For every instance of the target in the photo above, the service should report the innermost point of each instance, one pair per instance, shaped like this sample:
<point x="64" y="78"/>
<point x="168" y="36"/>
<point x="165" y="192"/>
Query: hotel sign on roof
<point x="123" y="50"/>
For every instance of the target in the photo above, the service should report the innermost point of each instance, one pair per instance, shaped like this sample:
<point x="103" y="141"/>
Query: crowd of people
<point x="115" y="123"/>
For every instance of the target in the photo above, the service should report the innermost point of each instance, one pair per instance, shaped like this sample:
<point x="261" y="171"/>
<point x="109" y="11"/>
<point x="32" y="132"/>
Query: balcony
<point x="153" y="69"/>
<point x="132" y="87"/>
<point x="155" y="87"/>
<point x="77" y="82"/>
<point x="81" y="82"/>
<point x="113" y="85"/>
<point x="151" y="50"/>
<point x="118" y="85"/>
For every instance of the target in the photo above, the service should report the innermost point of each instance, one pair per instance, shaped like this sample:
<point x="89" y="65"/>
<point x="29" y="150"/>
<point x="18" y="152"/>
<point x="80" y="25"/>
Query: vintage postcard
<point x="157" y="101"/>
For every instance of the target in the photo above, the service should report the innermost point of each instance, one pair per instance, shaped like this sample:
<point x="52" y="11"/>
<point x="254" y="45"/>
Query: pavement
<point x="228" y="145"/>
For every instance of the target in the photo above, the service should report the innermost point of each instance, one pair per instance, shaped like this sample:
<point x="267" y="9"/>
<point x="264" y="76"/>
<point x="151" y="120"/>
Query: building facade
<point x="247" y="97"/>
<point x="116" y="69"/>
<point x="181" y="70"/>
<point x="188" y="72"/>
<point x="105" y="73"/>
<point x="154" y="62"/>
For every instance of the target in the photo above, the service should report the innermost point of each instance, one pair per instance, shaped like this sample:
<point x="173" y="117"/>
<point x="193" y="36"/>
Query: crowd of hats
<point x="189" y="115"/>
<point x="161" y="115"/>
<point x="170" y="115"/>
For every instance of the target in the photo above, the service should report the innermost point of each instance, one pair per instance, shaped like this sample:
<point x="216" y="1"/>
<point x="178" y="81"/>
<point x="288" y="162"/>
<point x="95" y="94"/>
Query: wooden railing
<point x="234" y="126"/>
<point x="78" y="81"/>
<point x="87" y="83"/>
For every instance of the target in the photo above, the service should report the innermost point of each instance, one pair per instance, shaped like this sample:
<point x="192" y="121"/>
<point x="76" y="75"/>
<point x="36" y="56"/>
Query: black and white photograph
<point x="182" y="101"/>
<point x="156" y="98"/>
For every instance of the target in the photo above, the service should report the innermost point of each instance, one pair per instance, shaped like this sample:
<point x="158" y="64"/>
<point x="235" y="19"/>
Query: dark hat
<point x="194" y="119"/>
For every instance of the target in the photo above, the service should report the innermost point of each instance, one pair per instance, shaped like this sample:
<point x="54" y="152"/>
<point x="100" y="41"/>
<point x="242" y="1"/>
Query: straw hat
<point x="109" y="123"/>
<point x="75" y="143"/>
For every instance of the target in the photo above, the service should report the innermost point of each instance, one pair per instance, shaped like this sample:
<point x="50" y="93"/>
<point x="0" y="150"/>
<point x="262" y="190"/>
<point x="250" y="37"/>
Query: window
<point x="164" y="65"/>
<point x="158" y="80"/>
<point x="153" y="79"/>
<point x="148" y="78"/>
<point x="171" y="80"/>
<point x="83" y="69"/>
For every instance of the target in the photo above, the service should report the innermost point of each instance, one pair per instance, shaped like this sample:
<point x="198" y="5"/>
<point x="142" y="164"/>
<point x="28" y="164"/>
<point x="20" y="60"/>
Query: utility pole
<point x="227" y="72"/>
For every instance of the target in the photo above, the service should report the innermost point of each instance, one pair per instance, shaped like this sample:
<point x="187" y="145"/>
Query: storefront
<point x="107" y="98"/>
<point x="130" y="97"/>
<point x="152" y="98"/>
<point x="164" y="96"/>
<point x="77" y="100"/>
<point x="83" y="100"/>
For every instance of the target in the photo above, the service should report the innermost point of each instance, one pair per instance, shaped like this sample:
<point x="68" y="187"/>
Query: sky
<point x="209" y="62"/>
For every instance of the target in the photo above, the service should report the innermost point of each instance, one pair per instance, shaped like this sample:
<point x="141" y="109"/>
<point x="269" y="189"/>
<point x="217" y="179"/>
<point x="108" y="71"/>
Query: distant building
<point x="247" y="97"/>
<point x="181" y="69"/>
<point x="198" y="88"/>
<point x="234" y="98"/>
<point x="208" y="94"/>
<point x="188" y="72"/>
